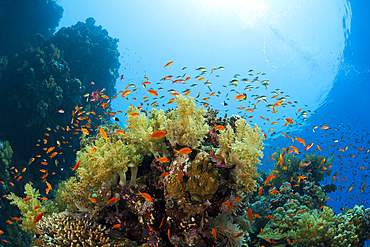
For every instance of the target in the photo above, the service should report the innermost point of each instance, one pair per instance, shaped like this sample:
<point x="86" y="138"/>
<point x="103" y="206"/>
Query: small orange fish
<point x="269" y="217"/>
<point x="231" y="205"/>
<point x="38" y="217"/>
<point x="26" y="198"/>
<point x="152" y="92"/>
<point x="121" y="132"/>
<point x="269" y="178"/>
<point x="44" y="198"/>
<point x="168" y="234"/>
<point x="289" y="120"/>
<point x="76" y="166"/>
<point x="9" y="222"/>
<point x="183" y="151"/>
<point x="214" y="233"/>
<point x="158" y="134"/>
<point x="240" y="97"/>
<point x="163" y="160"/>
<point x="220" y="127"/>
<point x="250" y="216"/>
<point x="238" y="235"/>
<point x="36" y="207"/>
<point x="103" y="134"/>
<point x="114" y="199"/>
<point x="260" y="191"/>
<point x="16" y="219"/>
<point x="168" y="64"/>
<point x="92" y="199"/>
<point x="179" y="177"/>
<point x="164" y="174"/>
<point x="324" y="127"/>
<point x="308" y="146"/>
<point x="162" y="222"/>
<point x="146" y="196"/>
<point x="116" y="226"/>
<point x="151" y="229"/>
<point x="134" y="114"/>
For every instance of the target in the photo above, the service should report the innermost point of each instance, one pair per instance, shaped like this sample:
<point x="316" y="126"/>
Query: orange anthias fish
<point x="26" y="198"/>
<point x="158" y="134"/>
<point x="183" y="151"/>
<point x="250" y="216"/>
<point x="168" y="64"/>
<point x="238" y="235"/>
<point x="220" y="127"/>
<point x="269" y="178"/>
<point x="152" y="92"/>
<point x="103" y="134"/>
<point x="38" y="217"/>
<point x="214" y="233"/>
<point x="93" y="200"/>
<point x="76" y="166"/>
<point x="260" y="191"/>
<point x="116" y="226"/>
<point x="163" y="160"/>
<point x="146" y="196"/>
<point x="240" y="97"/>
<point x="164" y="174"/>
<point x="308" y="146"/>
<point x="114" y="199"/>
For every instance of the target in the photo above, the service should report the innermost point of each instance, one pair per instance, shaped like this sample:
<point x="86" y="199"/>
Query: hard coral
<point x="71" y="230"/>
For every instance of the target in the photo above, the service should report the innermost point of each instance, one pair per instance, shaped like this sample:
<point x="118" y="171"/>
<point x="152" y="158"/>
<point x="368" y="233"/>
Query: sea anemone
<point x="225" y="230"/>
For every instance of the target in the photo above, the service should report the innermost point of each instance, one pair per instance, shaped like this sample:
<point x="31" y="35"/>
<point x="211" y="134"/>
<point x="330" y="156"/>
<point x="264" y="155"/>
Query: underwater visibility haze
<point x="184" y="123"/>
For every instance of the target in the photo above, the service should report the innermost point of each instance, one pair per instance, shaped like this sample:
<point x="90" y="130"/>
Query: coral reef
<point x="202" y="197"/>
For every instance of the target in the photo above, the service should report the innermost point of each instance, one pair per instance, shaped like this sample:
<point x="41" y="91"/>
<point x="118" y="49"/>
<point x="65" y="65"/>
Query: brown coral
<point x="71" y="230"/>
<point x="203" y="179"/>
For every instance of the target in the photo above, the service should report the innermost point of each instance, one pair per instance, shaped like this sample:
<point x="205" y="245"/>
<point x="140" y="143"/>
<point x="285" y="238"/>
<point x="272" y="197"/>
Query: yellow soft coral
<point x="242" y="149"/>
<point x="186" y="125"/>
<point x="27" y="207"/>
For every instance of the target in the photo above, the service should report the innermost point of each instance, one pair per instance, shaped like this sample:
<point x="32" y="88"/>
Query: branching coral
<point x="242" y="148"/>
<point x="70" y="230"/>
<point x="27" y="207"/>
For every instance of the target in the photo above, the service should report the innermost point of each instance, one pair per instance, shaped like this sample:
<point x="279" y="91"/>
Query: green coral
<point x="27" y="207"/>
<point x="242" y="148"/>
<point x="6" y="154"/>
